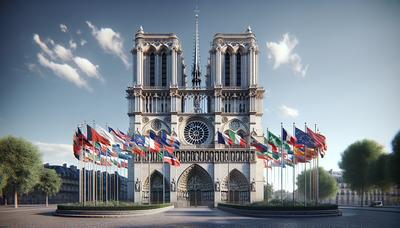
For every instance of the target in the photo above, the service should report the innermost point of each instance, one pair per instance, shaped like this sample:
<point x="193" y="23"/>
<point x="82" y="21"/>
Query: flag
<point x="319" y="139"/>
<point x="224" y="139"/>
<point x="304" y="139"/>
<point x="140" y="140"/>
<point x="273" y="139"/>
<point x="152" y="145"/>
<point x="119" y="139"/>
<point x="138" y="150"/>
<point x="169" y="158"/>
<point x="259" y="146"/>
<point x="237" y="140"/>
<point x="76" y="148"/>
<point x="169" y="140"/>
<point x="94" y="136"/>
<point x="288" y="138"/>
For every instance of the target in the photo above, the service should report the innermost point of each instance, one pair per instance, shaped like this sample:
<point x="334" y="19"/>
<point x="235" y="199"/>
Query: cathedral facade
<point x="194" y="108"/>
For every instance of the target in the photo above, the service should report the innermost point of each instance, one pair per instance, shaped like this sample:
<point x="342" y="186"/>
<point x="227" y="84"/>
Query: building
<point x="163" y="97"/>
<point x="69" y="191"/>
<point x="345" y="196"/>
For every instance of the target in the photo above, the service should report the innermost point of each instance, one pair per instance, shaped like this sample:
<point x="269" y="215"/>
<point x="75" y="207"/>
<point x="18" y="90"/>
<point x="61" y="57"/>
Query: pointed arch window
<point x="227" y="69"/>
<point x="163" y="69"/>
<point x="152" y="70"/>
<point x="238" y="69"/>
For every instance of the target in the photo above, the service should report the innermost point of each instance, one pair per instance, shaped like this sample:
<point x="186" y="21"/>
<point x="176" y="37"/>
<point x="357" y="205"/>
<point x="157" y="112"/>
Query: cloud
<point x="56" y="153"/>
<point x="287" y="112"/>
<point x="72" y="44"/>
<point x="110" y="41"/>
<point x="87" y="67"/>
<point x="63" y="53"/>
<point x="83" y="42"/>
<point x="282" y="53"/>
<point x="64" y="71"/>
<point x="43" y="46"/>
<point x="63" y="28"/>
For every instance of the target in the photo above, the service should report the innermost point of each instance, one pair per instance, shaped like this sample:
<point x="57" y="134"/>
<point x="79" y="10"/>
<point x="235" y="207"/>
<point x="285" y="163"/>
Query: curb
<point x="369" y="209"/>
<point x="282" y="214"/>
<point x="109" y="214"/>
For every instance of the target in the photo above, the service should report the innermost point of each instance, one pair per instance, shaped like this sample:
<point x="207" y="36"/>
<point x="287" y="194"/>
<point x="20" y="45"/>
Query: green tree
<point x="327" y="183"/>
<point x="394" y="161"/>
<point x="378" y="174"/>
<point x="49" y="184"/>
<point x="268" y="191"/>
<point x="21" y="161"/>
<point x="355" y="162"/>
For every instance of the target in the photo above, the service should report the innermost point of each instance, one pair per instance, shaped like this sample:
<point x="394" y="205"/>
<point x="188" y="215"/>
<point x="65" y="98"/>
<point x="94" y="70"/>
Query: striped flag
<point x="237" y="140"/>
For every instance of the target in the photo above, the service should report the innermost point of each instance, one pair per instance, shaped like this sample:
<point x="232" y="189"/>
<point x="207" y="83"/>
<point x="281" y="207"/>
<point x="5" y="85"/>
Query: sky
<point x="330" y="63"/>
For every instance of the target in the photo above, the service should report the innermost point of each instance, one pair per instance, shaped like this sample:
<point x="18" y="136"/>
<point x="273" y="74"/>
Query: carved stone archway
<point x="239" y="188"/>
<point x="195" y="187"/>
<point x="156" y="193"/>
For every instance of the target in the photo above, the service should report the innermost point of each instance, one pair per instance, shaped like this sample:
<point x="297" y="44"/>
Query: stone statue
<point x="137" y="185"/>
<point x="217" y="185"/>
<point x="253" y="186"/>
<point x="173" y="185"/>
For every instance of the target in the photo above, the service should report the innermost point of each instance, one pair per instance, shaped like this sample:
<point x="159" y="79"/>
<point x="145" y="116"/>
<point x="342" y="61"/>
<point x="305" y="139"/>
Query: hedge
<point x="282" y="208"/>
<point x="111" y="207"/>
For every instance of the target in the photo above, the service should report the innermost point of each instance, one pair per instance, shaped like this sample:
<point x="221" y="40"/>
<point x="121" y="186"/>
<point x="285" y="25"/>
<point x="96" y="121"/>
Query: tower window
<point x="152" y="70"/>
<point x="227" y="69"/>
<point x="163" y="69"/>
<point x="238" y="70"/>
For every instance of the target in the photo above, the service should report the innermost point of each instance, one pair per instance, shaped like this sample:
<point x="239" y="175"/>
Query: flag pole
<point x="305" y="171"/>
<point x="317" y="198"/>
<point x="294" y="171"/>
<point x="163" y="183"/>
<point x="149" y="194"/>
<point x="93" y="177"/>
<point x="281" y="165"/>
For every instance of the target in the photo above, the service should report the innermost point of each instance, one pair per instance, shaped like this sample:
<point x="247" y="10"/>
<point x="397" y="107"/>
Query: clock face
<point x="196" y="132"/>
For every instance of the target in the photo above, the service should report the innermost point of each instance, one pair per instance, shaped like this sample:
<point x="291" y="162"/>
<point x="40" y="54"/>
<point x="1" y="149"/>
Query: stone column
<point x="218" y="66"/>
<point x="174" y="66"/>
<point x="139" y="66"/>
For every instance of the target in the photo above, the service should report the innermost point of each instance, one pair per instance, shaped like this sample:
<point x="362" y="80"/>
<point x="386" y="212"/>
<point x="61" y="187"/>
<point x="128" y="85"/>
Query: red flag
<point x="94" y="136"/>
<point x="319" y="139"/>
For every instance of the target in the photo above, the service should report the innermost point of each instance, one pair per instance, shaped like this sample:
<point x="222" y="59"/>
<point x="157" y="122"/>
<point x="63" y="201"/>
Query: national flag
<point x="76" y="148"/>
<point x="170" y="159"/>
<point x="152" y="145"/>
<point x="237" y="139"/>
<point x="140" y="140"/>
<point x="119" y="139"/>
<point x="273" y="139"/>
<point x="103" y="132"/>
<point x="259" y="146"/>
<point x="169" y="140"/>
<point x="224" y="139"/>
<point x="304" y="139"/>
<point x="94" y="136"/>
<point x="319" y="139"/>
<point x="288" y="138"/>
<point x="138" y="150"/>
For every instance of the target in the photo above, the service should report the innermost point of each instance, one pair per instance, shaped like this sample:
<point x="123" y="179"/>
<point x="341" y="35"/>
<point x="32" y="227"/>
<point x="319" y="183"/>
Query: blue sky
<point x="338" y="66"/>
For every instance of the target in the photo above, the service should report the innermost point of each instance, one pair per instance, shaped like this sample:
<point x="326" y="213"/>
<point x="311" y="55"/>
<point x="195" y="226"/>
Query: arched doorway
<point x="195" y="188"/>
<point x="239" y="189"/>
<point x="156" y="193"/>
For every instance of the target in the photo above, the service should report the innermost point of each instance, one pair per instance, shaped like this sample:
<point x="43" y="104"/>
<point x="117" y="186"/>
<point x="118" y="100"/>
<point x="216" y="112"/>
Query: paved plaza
<point x="39" y="216"/>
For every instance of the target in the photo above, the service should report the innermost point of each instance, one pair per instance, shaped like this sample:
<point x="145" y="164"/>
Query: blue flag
<point x="304" y="139"/>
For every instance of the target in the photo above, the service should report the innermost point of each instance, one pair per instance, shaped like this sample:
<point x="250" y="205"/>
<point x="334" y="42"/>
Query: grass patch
<point x="285" y="207"/>
<point x="110" y="206"/>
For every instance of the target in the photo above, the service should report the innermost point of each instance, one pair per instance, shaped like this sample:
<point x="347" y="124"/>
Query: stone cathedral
<point x="194" y="107"/>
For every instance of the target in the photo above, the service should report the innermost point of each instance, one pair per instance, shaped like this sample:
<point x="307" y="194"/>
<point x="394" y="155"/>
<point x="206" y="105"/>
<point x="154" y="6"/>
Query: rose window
<point x="196" y="132"/>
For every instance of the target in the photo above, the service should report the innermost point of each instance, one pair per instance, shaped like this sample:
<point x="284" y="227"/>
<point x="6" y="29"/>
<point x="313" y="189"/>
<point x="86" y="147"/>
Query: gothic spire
<point x="196" y="74"/>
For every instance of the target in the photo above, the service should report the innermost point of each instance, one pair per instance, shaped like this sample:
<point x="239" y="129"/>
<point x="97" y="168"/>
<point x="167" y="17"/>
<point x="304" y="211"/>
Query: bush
<point x="281" y="208"/>
<point x="110" y="206"/>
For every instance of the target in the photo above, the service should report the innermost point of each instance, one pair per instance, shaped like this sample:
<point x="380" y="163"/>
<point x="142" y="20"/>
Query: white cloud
<point x="72" y="44"/>
<point x="56" y="153"/>
<point x="64" y="71"/>
<point x="79" y="32"/>
<point x="87" y="67"/>
<point x="43" y="46"/>
<point x="288" y="112"/>
<point x="282" y="53"/>
<point x="63" y="28"/>
<point x="63" y="53"/>
<point x="83" y="42"/>
<point x="110" y="41"/>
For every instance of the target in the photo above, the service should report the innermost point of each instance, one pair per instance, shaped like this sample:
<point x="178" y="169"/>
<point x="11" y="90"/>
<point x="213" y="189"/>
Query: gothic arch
<point x="151" y="49"/>
<point x="236" y="125"/>
<point x="155" y="125"/>
<point x="238" y="190"/>
<point x="156" y="191"/>
<point x="195" y="187"/>
<point x="163" y="49"/>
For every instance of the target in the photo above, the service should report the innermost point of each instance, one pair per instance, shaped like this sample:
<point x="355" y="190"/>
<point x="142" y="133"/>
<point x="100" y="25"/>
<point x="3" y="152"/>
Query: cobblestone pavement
<point x="40" y="216"/>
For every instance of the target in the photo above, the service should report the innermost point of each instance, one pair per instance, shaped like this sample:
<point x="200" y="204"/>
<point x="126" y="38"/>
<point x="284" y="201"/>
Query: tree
<point x="355" y="161"/>
<point x="49" y="184"/>
<point x="394" y="161"/>
<point x="327" y="183"/>
<point x="378" y="174"/>
<point x="268" y="191"/>
<point x="21" y="161"/>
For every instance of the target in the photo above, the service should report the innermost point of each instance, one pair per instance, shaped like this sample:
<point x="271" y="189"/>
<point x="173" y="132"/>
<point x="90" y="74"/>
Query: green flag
<point x="274" y="139"/>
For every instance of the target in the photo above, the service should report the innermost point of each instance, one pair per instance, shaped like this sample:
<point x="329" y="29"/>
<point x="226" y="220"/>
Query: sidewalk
<point x="367" y="208"/>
